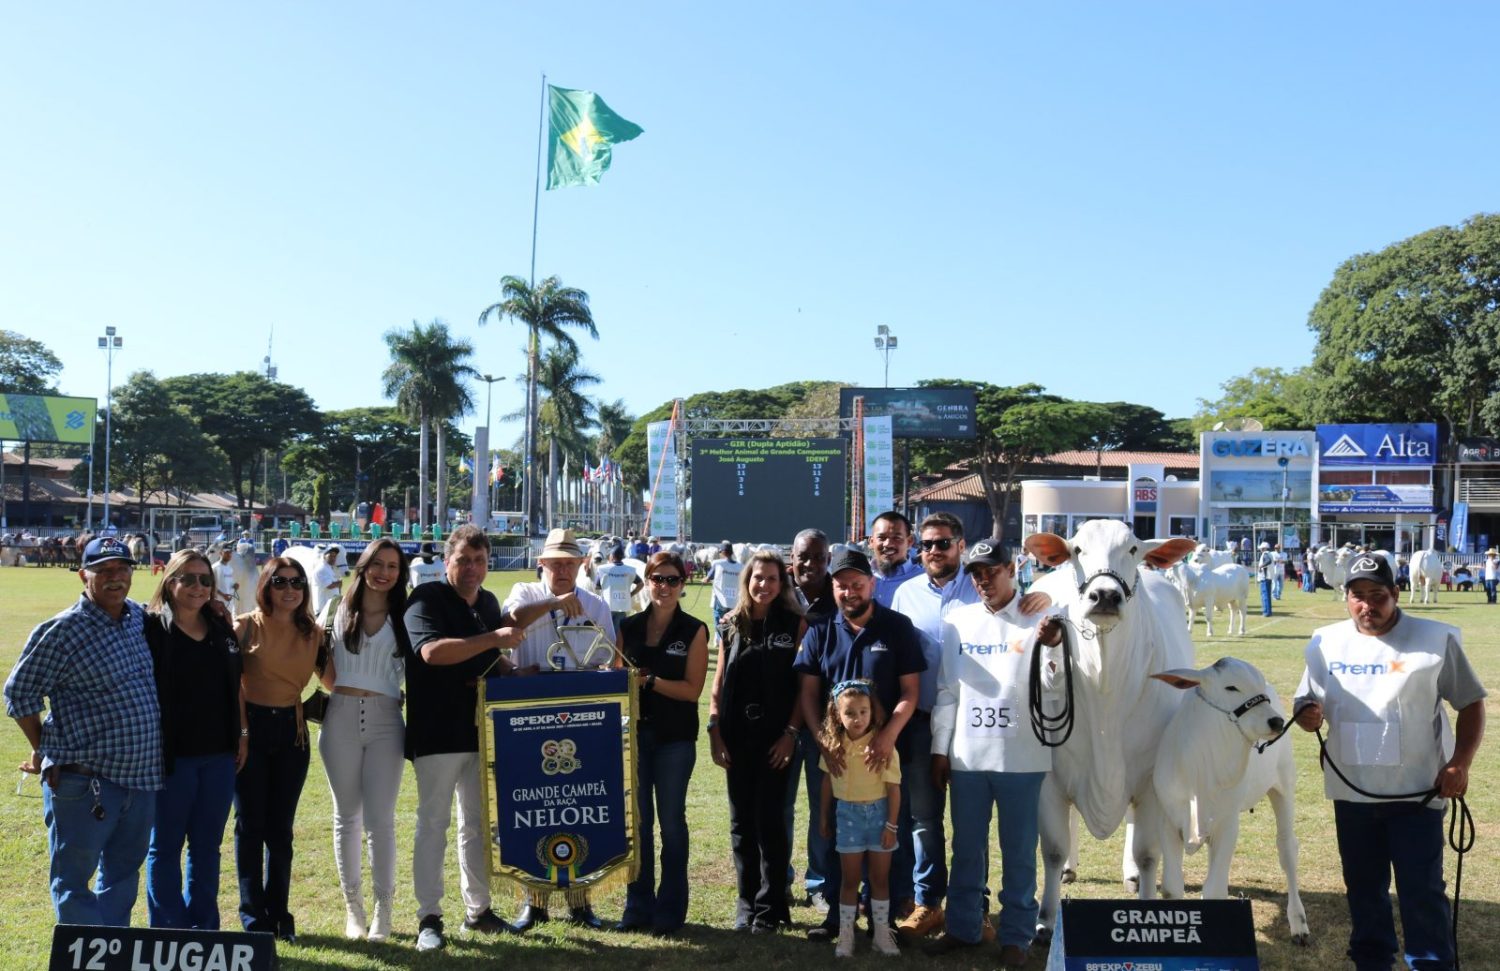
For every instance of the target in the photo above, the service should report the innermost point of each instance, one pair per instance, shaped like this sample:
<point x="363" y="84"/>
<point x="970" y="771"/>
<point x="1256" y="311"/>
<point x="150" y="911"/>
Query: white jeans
<point x="361" y="746"/>
<point x="438" y="776"/>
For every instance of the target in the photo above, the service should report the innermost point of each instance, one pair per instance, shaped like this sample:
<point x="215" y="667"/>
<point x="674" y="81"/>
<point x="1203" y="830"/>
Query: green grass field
<point x="28" y="595"/>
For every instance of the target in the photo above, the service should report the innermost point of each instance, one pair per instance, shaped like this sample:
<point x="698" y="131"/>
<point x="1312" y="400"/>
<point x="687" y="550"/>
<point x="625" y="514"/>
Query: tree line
<point x="1408" y="333"/>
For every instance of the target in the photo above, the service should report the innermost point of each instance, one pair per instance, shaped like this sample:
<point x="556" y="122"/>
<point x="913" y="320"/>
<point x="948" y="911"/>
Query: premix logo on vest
<point x="1361" y="670"/>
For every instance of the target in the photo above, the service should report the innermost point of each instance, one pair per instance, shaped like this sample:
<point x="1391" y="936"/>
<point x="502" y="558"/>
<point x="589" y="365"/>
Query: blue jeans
<point x="1015" y="795"/>
<point x="81" y="845"/>
<point x="662" y="773"/>
<point x="921" y="862"/>
<point x="805" y="755"/>
<point x="1276" y="582"/>
<point x="265" y="803"/>
<point x="1265" y="598"/>
<point x="193" y="807"/>
<point x="1489" y="591"/>
<point x="1407" y="838"/>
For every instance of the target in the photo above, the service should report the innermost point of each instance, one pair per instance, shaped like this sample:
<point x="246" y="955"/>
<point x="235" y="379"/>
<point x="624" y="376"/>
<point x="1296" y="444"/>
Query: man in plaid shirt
<point x="99" y="748"/>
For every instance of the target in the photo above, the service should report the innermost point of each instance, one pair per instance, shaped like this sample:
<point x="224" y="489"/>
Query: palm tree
<point x="615" y="421"/>
<point x="566" y="413"/>
<point x="425" y="377"/>
<point x="547" y="310"/>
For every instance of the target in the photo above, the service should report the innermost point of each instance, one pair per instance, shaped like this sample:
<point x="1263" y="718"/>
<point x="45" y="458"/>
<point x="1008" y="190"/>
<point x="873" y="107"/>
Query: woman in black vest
<point x="204" y="742"/>
<point x="753" y="721"/>
<point x="669" y="648"/>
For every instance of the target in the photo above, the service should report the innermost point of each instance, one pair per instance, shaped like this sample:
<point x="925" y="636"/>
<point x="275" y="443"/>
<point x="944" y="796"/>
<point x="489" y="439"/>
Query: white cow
<point x="1208" y="771"/>
<point x="1129" y="623"/>
<point x="1206" y="555"/>
<point x="1208" y="589"/>
<point x="1427" y="573"/>
<point x="1334" y="565"/>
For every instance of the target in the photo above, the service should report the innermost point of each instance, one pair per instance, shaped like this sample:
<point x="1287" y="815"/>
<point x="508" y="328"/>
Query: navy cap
<point x="104" y="549"/>
<point x="849" y="558"/>
<point x="988" y="552"/>
<point x="1369" y="566"/>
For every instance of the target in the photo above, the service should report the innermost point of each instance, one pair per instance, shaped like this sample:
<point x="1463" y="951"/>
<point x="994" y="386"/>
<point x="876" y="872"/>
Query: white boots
<point x="880" y="920"/>
<point x="380" y="927"/>
<point x="844" y="948"/>
<point x="354" y="918"/>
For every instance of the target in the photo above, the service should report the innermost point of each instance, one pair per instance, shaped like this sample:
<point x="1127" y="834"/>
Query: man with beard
<point x="863" y="640"/>
<point x="99" y="751"/>
<point x="545" y="608"/>
<point x="920" y="866"/>
<point x="814" y="590"/>
<point x="890" y="539"/>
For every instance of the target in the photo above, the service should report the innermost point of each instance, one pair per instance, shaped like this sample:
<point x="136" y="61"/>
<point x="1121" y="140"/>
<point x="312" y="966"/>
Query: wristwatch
<point x="651" y="682"/>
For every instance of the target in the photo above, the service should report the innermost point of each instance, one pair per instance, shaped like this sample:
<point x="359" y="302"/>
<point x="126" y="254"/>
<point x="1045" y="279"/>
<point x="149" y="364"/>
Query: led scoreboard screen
<point x="765" y="490"/>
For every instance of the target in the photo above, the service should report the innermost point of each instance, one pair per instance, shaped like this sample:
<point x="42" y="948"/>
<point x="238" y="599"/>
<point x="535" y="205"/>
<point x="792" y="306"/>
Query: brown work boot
<point x="1012" y="956"/>
<point x="987" y="930"/>
<point x="923" y="920"/>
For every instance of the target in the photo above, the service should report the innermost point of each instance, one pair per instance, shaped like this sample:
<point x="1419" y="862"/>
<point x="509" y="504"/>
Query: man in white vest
<point x="1379" y="680"/>
<point x="984" y="750"/>
<point x="724" y="575"/>
<point x="618" y="583"/>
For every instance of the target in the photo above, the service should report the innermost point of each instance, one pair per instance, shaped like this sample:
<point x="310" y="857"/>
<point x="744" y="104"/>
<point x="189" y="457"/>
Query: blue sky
<point x="1117" y="201"/>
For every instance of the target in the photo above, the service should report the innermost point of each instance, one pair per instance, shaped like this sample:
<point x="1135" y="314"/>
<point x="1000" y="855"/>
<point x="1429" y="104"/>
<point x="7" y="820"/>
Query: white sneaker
<point x="380" y="927"/>
<point x="430" y="934"/>
<point x="845" y="946"/>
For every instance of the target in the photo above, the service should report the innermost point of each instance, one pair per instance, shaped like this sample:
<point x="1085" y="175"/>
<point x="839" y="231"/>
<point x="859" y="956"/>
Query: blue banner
<point x="1374" y="498"/>
<point x="558" y="775"/>
<point x="1459" y="532"/>
<point x="1414" y="444"/>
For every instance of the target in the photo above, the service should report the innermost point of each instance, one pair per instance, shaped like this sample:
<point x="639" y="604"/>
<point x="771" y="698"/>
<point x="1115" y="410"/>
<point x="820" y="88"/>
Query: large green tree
<point x="27" y="366"/>
<point x="1017" y="425"/>
<point x="158" y="447"/>
<point x="1412" y="332"/>
<point x="546" y="310"/>
<point x="426" y="379"/>
<point x="1278" y="399"/>
<point x="246" y="415"/>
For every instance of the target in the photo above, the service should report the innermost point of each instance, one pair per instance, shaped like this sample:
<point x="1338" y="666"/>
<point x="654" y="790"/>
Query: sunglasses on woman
<point x="662" y="578"/>
<point x="188" y="579"/>
<point x="296" y="583"/>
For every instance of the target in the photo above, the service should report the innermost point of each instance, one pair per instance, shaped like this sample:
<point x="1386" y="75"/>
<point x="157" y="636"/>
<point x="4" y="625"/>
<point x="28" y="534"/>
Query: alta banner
<point x="558" y="753"/>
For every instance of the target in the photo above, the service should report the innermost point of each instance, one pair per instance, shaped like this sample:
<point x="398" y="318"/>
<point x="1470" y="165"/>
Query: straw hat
<point x="561" y="544"/>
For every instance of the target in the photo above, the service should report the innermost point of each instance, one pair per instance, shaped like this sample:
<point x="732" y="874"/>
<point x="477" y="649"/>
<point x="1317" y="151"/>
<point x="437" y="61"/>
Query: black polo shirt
<point x="822" y="606"/>
<point x="886" y="648"/>
<point x="442" y="699"/>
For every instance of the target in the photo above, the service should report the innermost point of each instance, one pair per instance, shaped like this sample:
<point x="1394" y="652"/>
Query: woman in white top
<point x="363" y="736"/>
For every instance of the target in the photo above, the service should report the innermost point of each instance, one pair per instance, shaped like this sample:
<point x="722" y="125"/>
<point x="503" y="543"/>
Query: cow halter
<point x="1111" y="574"/>
<point x="1234" y="715"/>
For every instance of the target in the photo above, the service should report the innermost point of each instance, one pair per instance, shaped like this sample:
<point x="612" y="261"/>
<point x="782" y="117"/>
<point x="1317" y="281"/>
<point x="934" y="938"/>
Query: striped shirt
<point x="96" y="675"/>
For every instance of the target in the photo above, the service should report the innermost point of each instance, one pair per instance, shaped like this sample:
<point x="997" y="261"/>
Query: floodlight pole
<point x="489" y="393"/>
<point x="110" y="342"/>
<point x="885" y="342"/>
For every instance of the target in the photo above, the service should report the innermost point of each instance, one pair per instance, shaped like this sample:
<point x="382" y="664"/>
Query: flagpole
<point x="529" y="438"/>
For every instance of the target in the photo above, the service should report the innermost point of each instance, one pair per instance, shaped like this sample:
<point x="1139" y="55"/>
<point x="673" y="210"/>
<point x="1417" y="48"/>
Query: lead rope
<point x="1042" y="723"/>
<point x="1460" y="826"/>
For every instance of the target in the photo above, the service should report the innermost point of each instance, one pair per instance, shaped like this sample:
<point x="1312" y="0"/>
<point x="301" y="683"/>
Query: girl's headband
<point x="860" y="685"/>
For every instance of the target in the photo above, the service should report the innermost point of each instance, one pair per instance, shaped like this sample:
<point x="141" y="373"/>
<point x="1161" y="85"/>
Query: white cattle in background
<point x="1427" y="573"/>
<point x="1333" y="564"/>
<point x="1208" y="771"/>
<point x="1210" y="589"/>
<point x="1206" y="555"/>
<point x="1128" y="624"/>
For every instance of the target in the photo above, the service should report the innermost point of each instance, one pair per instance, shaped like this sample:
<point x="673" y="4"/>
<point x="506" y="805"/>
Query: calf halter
<point x="1111" y="574"/>
<point x="1236" y="714"/>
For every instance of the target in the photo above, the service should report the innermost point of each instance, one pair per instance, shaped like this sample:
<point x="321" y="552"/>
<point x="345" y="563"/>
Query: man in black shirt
<point x="809" y="569"/>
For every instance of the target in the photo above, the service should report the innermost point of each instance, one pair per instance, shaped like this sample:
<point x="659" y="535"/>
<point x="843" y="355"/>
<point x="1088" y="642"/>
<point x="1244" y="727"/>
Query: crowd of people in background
<point x="839" y="671"/>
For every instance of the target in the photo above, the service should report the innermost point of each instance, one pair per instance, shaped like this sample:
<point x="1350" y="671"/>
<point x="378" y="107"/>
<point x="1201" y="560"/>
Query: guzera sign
<point x="1248" y="447"/>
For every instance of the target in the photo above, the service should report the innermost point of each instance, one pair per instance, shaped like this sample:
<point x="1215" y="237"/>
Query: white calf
<point x="1209" y="589"/>
<point x="1208" y="771"/>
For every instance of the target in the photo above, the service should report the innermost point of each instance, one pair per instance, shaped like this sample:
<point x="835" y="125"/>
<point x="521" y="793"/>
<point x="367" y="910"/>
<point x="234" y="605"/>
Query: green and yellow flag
<point x="582" y="131"/>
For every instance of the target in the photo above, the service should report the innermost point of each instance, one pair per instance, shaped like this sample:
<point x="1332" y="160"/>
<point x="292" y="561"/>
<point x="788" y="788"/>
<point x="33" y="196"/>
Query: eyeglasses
<point x="296" y="583"/>
<point x="662" y="578"/>
<point x="188" y="579"/>
<point x="937" y="544"/>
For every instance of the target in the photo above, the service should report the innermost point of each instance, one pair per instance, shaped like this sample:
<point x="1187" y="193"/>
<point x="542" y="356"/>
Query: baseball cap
<point x="849" y="558"/>
<point x="1367" y="566"/>
<point x="104" y="549"/>
<point x="988" y="552"/>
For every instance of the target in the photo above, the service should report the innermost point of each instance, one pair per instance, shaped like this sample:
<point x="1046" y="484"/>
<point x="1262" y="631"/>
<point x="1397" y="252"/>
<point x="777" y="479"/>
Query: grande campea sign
<point x="1154" y="935"/>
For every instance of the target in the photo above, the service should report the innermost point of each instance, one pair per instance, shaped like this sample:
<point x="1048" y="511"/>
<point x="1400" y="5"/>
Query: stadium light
<point x="885" y="342"/>
<point x="109" y="343"/>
